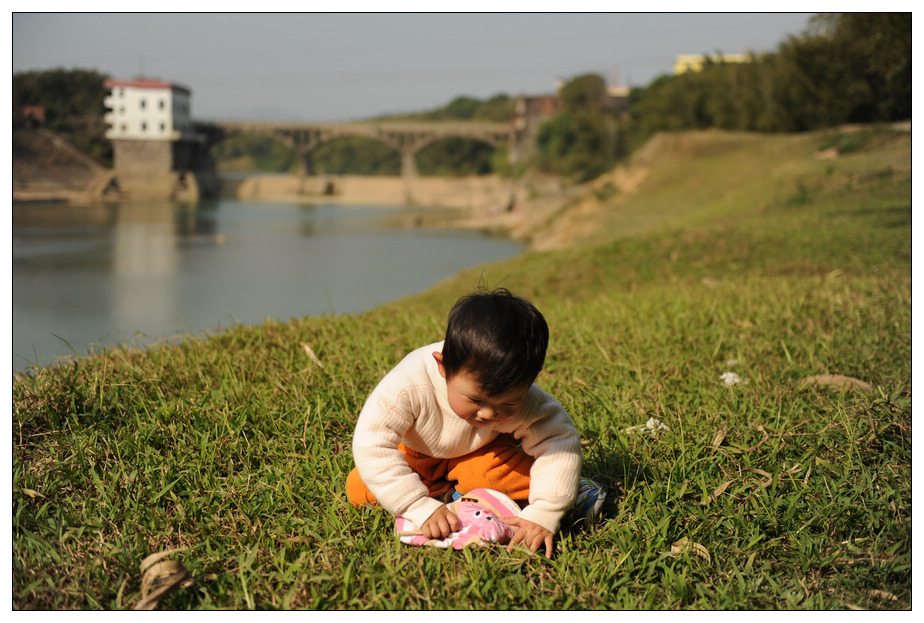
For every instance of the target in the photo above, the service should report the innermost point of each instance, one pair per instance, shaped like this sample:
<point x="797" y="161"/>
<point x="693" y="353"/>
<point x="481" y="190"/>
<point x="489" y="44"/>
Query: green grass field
<point x="740" y="254"/>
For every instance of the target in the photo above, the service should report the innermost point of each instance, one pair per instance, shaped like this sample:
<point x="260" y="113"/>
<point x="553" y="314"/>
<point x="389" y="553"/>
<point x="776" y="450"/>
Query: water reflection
<point x="145" y="258"/>
<point x="137" y="272"/>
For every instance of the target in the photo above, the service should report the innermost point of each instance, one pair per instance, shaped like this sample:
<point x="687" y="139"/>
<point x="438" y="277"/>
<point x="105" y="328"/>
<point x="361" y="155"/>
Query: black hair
<point x="499" y="338"/>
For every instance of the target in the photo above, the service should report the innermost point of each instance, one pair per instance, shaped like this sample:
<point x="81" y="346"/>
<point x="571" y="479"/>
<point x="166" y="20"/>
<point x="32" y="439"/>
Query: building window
<point x="161" y="104"/>
<point x="143" y="103"/>
<point x="144" y="126"/>
<point x="124" y="128"/>
<point x="163" y="127"/>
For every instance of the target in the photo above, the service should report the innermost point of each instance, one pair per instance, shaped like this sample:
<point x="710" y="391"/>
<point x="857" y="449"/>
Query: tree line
<point x="845" y="68"/>
<point x="849" y="68"/>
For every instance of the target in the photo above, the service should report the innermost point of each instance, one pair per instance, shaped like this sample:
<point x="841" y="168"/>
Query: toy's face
<point x="483" y="522"/>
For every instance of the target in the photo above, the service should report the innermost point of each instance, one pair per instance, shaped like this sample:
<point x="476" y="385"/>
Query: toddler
<point x="465" y="413"/>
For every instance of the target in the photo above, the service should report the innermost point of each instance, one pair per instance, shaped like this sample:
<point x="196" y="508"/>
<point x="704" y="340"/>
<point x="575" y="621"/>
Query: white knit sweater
<point x="410" y="405"/>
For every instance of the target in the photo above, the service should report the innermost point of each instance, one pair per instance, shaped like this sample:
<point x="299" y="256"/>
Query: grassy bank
<point x="766" y="493"/>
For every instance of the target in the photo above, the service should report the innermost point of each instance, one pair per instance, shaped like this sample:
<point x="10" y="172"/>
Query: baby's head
<point x="495" y="339"/>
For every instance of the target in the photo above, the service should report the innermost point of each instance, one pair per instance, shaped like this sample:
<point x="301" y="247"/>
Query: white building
<point x="147" y="109"/>
<point x="156" y="152"/>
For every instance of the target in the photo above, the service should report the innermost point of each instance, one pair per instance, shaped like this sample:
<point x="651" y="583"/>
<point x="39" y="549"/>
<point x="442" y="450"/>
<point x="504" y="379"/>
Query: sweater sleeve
<point x="382" y="423"/>
<point x="547" y="433"/>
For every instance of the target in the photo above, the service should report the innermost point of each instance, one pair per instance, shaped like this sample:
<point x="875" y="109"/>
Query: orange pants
<point x="500" y="465"/>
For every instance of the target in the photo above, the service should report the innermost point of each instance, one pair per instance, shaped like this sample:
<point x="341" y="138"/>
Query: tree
<point x="879" y="48"/>
<point x="849" y="68"/>
<point x="574" y="145"/>
<point x="63" y="92"/>
<point x="583" y="94"/>
<point x="461" y="108"/>
<point x="811" y="85"/>
<point x="581" y="141"/>
<point x="498" y="109"/>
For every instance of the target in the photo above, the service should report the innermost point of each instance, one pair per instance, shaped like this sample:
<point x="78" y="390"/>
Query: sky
<point x="327" y="67"/>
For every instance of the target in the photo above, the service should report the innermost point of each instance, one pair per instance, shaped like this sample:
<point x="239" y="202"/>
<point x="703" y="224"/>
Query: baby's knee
<point x="357" y="492"/>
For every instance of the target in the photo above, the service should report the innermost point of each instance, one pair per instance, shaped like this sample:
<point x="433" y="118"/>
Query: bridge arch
<point x="222" y="140"/>
<point x="386" y="157"/>
<point x="457" y="154"/>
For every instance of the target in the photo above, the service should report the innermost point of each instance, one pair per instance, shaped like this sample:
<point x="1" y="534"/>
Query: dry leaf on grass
<point x="718" y="491"/>
<point x="160" y="577"/>
<point x="686" y="545"/>
<point x="874" y="592"/>
<point x="311" y="355"/>
<point x="837" y="381"/>
<point x="768" y="476"/>
<point x="718" y="439"/>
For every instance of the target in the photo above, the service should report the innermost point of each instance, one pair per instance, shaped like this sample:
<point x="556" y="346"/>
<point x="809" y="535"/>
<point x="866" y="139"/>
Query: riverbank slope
<point x="46" y="167"/>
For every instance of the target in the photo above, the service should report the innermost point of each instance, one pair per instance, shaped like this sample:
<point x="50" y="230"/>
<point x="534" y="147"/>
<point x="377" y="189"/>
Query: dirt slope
<point x="46" y="167"/>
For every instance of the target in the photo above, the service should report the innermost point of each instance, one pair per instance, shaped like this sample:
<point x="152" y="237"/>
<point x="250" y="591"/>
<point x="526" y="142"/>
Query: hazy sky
<point x="318" y="67"/>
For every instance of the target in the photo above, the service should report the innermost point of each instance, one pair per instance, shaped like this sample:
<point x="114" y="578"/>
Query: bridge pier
<point x="306" y="168"/>
<point x="305" y="143"/>
<point x="409" y="171"/>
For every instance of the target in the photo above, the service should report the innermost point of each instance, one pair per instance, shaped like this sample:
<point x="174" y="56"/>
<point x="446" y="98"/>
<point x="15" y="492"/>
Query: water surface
<point x="86" y="277"/>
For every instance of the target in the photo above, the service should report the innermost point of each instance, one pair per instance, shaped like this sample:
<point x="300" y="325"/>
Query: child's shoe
<point x="588" y="504"/>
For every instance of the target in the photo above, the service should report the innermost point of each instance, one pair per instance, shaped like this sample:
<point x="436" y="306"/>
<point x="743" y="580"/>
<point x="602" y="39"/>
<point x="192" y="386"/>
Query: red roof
<point x="144" y="83"/>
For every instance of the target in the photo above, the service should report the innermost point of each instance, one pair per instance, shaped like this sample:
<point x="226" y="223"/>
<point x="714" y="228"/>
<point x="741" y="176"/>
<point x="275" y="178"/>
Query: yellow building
<point x="695" y="62"/>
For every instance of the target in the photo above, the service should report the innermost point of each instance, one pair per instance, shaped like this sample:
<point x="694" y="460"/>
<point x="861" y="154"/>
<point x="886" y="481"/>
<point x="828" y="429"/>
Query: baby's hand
<point x="530" y="534"/>
<point x="440" y="524"/>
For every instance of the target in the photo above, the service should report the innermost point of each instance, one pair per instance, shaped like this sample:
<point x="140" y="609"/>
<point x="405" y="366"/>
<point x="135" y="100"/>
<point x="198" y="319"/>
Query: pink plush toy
<point x="479" y="525"/>
<point x="480" y="513"/>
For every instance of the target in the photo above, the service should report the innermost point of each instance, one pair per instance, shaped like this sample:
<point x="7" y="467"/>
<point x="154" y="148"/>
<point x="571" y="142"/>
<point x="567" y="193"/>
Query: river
<point x="89" y="277"/>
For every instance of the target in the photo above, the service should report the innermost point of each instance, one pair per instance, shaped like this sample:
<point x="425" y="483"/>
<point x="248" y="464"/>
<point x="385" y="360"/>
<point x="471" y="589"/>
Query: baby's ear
<point x="439" y="363"/>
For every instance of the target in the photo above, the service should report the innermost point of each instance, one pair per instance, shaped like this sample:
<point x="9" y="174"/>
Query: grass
<point x="236" y="448"/>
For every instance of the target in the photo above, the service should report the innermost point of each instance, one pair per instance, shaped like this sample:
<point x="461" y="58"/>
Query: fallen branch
<point x="762" y="441"/>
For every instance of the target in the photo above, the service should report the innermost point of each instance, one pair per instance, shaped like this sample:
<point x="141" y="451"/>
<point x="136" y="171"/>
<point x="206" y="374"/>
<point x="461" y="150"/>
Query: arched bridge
<point x="407" y="137"/>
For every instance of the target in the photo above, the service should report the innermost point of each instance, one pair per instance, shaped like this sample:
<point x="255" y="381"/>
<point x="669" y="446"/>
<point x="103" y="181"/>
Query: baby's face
<point x="476" y="407"/>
